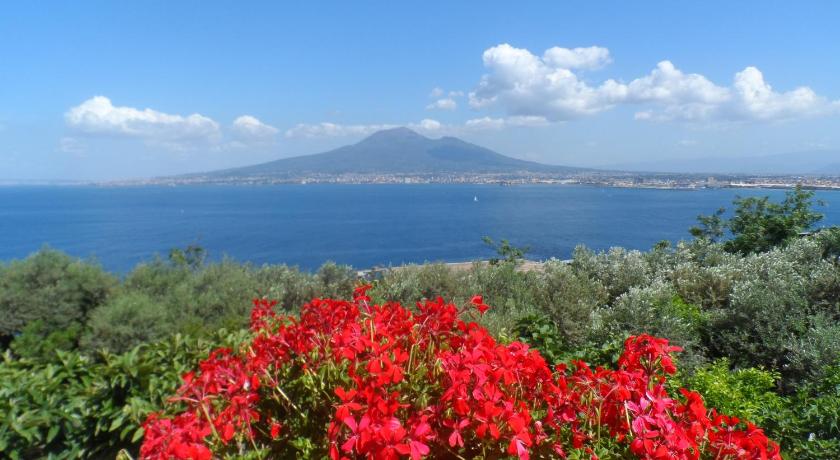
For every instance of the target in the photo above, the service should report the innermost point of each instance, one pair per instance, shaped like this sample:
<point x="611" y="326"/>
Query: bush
<point x="655" y="310"/>
<point x="618" y="270"/>
<point x="199" y="297"/>
<point x="767" y="309"/>
<point x="746" y="393"/>
<point x="809" y="427"/>
<point x="808" y="355"/>
<point x="758" y="224"/>
<point x="414" y="283"/>
<point x="127" y="321"/>
<point x="37" y="341"/>
<point x="77" y="407"/>
<point x="53" y="289"/>
<point x="570" y="300"/>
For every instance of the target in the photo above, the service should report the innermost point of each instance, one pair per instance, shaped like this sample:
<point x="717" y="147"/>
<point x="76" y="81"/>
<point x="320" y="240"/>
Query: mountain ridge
<point x="395" y="151"/>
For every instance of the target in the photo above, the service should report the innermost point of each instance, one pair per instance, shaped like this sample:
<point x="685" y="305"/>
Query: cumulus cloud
<point x="444" y="100"/>
<point x="593" y="57"/>
<point x="524" y="84"/>
<point x="485" y="123"/>
<point x="98" y="116"/>
<point x="326" y="129"/>
<point x="427" y="125"/>
<point x="755" y="98"/>
<point x="443" y="104"/>
<point x="684" y="96"/>
<point x="500" y="123"/>
<point x="521" y="83"/>
<point x="692" y="97"/>
<point x="249" y="129"/>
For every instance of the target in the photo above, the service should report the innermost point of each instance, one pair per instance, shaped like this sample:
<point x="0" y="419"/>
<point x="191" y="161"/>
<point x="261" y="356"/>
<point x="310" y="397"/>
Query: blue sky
<point x="107" y="90"/>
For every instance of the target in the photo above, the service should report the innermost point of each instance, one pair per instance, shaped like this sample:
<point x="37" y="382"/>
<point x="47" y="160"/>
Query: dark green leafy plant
<point x="78" y="407"/>
<point x="53" y="289"/>
<point x="746" y="393"/>
<point x="506" y="252"/>
<point x="759" y="224"/>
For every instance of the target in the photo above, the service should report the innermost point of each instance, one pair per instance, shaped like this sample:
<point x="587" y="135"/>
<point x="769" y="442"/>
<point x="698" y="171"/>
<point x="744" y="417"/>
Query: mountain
<point x="395" y="151"/>
<point x="816" y="162"/>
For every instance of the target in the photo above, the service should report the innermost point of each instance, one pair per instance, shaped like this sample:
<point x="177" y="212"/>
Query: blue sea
<point x="359" y="225"/>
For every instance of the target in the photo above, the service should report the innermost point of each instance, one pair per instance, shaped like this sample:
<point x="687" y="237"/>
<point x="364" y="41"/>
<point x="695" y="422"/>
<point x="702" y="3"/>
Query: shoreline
<point x="740" y="185"/>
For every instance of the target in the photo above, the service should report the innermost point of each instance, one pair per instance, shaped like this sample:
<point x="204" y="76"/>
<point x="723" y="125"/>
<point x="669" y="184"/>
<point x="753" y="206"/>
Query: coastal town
<point x="678" y="181"/>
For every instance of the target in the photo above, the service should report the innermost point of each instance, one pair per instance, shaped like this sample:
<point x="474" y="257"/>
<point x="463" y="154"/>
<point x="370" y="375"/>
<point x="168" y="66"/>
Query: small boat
<point x="475" y="198"/>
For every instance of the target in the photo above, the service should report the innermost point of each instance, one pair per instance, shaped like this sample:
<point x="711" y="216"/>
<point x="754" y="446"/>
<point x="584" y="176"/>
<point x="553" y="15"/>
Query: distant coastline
<point x="632" y="180"/>
<point x="676" y="181"/>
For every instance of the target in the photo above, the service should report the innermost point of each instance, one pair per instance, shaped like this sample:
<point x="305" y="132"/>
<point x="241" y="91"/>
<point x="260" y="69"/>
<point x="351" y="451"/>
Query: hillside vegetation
<point x="754" y="305"/>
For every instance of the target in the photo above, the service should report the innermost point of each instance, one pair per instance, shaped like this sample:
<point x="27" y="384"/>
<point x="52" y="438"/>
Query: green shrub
<point x="36" y="341"/>
<point x="53" y="288"/>
<point x="75" y="406"/>
<point x="543" y="334"/>
<point x="809" y="427"/>
<point x="745" y="393"/>
<point x="767" y="309"/>
<point x="569" y="300"/>
<point x="618" y="269"/>
<point x="413" y="283"/>
<point x="654" y="310"/>
<point x="807" y="355"/>
<point x="758" y="224"/>
<point x="127" y="321"/>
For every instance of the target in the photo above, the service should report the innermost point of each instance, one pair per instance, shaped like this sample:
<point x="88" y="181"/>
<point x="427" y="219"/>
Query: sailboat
<point x="475" y="198"/>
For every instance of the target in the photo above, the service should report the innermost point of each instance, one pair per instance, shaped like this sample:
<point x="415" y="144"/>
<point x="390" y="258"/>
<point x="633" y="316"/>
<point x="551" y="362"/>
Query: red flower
<point x="479" y="304"/>
<point x="391" y="383"/>
<point x="275" y="430"/>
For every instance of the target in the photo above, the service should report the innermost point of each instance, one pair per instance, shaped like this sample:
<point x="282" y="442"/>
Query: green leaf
<point x="117" y="423"/>
<point x="137" y="435"/>
<point x="53" y="433"/>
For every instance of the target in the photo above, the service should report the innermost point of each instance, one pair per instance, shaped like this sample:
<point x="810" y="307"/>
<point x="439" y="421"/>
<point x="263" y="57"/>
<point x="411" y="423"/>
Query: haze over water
<point x="360" y="225"/>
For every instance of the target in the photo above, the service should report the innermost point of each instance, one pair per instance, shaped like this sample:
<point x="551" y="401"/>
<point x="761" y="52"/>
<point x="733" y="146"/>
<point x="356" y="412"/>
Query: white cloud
<point x="485" y="123"/>
<point x="593" y="57"/>
<point x="692" y="97"/>
<point x="754" y="98"/>
<point x="443" y="104"/>
<point x="501" y="123"/>
<point x="327" y="129"/>
<point x="249" y="129"/>
<point x="98" y="116"/>
<point x="683" y="96"/>
<point x="524" y="84"/>
<point x="427" y="125"/>
<point x="520" y="83"/>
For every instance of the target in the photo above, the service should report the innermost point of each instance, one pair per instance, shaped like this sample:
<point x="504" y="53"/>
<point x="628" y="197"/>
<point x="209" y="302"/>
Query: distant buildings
<point x="596" y="179"/>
